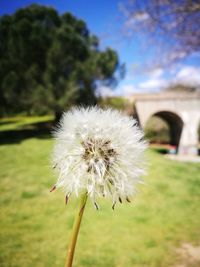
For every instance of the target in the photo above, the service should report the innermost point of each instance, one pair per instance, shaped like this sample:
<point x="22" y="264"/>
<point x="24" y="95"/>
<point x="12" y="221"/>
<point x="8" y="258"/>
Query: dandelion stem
<point x="75" y="231"/>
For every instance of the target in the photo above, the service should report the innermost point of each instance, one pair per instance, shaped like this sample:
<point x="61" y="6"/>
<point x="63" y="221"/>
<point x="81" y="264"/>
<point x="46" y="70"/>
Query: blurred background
<point x="141" y="57"/>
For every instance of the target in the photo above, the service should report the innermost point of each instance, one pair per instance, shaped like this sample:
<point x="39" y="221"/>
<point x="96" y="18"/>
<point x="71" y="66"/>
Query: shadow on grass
<point x="40" y="130"/>
<point x="6" y="122"/>
<point x="161" y="150"/>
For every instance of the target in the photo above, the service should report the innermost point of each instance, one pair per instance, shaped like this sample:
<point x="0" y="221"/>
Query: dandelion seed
<point x="53" y="188"/>
<point x="128" y="200"/>
<point x="120" y="200"/>
<point x="99" y="152"/>
<point x="113" y="206"/>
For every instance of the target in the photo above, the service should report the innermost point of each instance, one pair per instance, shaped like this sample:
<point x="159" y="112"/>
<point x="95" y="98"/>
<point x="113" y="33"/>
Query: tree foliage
<point x="49" y="62"/>
<point x="172" y="27"/>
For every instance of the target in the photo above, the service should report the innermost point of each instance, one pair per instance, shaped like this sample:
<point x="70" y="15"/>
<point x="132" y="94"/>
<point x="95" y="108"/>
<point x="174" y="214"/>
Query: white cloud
<point x="156" y="81"/>
<point x="156" y="73"/>
<point x="136" y="18"/>
<point x="127" y="89"/>
<point x="141" y="16"/>
<point x="188" y="75"/>
<point x="105" y="91"/>
<point x="153" y="84"/>
<point x="123" y="90"/>
<point x="176" y="55"/>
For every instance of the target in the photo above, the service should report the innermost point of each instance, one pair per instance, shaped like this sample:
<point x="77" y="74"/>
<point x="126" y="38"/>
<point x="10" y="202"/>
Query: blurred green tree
<point x="49" y="62"/>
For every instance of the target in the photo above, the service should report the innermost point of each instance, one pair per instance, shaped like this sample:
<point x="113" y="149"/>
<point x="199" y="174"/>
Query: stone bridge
<point x="180" y="110"/>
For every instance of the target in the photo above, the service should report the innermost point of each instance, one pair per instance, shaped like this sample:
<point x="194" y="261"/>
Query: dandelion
<point x="98" y="153"/>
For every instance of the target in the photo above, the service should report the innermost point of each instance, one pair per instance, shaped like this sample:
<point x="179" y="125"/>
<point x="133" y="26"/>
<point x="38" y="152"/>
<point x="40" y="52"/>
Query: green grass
<point x="35" y="225"/>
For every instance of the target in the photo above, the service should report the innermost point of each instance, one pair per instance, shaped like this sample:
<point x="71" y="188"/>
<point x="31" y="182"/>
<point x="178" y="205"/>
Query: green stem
<point x="75" y="231"/>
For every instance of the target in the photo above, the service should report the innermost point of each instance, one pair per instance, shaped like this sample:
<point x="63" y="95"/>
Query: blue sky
<point x="105" y="20"/>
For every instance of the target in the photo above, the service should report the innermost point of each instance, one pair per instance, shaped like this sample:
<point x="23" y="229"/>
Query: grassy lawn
<point x="35" y="225"/>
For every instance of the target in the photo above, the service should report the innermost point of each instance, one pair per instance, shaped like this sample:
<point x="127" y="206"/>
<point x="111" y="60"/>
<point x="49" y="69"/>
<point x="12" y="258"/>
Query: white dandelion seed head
<point x="100" y="152"/>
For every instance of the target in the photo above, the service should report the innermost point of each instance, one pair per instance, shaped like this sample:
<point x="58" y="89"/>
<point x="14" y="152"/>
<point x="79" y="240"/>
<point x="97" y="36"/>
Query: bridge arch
<point x="174" y="122"/>
<point x="177" y="109"/>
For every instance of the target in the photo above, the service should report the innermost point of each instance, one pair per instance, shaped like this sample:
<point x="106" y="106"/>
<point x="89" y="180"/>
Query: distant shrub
<point x="157" y="131"/>
<point x="114" y="102"/>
